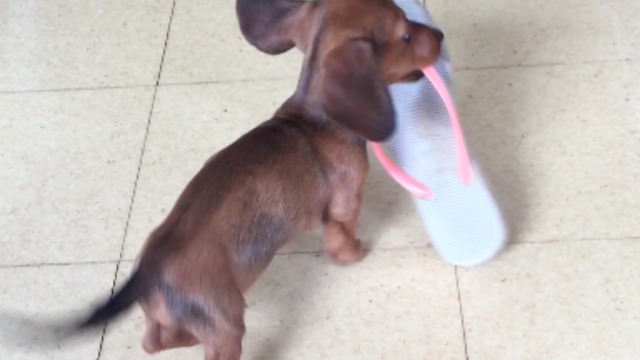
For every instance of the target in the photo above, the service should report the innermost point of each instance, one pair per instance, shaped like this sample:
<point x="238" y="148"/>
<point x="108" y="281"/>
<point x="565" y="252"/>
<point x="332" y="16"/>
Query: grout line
<point x="554" y="241"/>
<point x="321" y="252"/>
<point x="227" y="81"/>
<point x="137" y="179"/>
<point x="157" y="84"/>
<point x="78" y="263"/>
<point x="464" y="329"/>
<point x="88" y="88"/>
<point x="314" y="252"/>
<point x="318" y="252"/>
<point x="428" y="246"/>
<point x="166" y="42"/>
<point x="549" y="64"/>
<point x="232" y="81"/>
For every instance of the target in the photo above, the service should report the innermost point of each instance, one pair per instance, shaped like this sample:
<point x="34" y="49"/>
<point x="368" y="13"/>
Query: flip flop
<point x="457" y="209"/>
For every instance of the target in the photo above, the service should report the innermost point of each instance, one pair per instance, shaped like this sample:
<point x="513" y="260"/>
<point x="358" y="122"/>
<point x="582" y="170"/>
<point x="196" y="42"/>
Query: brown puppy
<point x="300" y="170"/>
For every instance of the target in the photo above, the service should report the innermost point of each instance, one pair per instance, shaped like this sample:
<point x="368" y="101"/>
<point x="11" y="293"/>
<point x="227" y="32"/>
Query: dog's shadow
<point x="491" y="102"/>
<point x="279" y="301"/>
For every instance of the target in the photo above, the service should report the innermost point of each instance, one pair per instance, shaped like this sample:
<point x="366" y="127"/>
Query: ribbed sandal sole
<point x="452" y="197"/>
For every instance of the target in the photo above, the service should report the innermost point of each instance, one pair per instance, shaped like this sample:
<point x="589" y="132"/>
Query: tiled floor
<point x="107" y="108"/>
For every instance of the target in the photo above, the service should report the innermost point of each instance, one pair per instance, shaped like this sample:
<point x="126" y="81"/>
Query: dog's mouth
<point x="412" y="76"/>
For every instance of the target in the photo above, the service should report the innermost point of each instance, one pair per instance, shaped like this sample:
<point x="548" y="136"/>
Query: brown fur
<point x="302" y="169"/>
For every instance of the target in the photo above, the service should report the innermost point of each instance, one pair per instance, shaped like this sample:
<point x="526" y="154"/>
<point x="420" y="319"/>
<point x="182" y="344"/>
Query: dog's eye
<point x="406" y="38"/>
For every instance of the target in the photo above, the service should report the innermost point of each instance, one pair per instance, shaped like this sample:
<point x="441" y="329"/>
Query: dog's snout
<point x="439" y="35"/>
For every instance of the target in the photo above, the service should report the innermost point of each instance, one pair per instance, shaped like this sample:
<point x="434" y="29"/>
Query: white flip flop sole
<point x="462" y="218"/>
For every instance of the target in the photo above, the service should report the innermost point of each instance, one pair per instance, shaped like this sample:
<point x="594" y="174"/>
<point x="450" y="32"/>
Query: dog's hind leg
<point x="176" y="337"/>
<point x="163" y="331"/>
<point x="158" y="338"/>
<point x="225" y="346"/>
<point x="151" y="341"/>
<point x="222" y="336"/>
<point x="224" y="342"/>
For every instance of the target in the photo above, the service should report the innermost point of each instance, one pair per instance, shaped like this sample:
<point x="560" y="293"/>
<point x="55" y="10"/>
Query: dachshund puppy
<point x="300" y="170"/>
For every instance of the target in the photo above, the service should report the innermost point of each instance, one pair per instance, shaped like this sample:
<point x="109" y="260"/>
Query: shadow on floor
<point x="490" y="108"/>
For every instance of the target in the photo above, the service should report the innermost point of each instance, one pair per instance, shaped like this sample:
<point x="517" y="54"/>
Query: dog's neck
<point x="300" y="109"/>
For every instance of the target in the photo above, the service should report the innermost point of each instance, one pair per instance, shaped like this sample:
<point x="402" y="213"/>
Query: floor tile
<point x="397" y="304"/>
<point x="566" y="300"/>
<point x="59" y="293"/>
<point x="205" y="44"/>
<point x="559" y="145"/>
<point x="626" y="27"/>
<point x="71" y="160"/>
<point x="56" y="44"/>
<point x="523" y="32"/>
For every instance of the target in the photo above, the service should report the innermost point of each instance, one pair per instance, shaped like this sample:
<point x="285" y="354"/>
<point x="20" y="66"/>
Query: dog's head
<point x="353" y="50"/>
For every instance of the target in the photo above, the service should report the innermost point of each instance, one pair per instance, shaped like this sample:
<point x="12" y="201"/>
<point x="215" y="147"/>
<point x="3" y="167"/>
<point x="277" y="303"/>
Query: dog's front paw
<point x="350" y="253"/>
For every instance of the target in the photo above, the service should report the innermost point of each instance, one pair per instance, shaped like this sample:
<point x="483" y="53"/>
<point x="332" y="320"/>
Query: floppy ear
<point x="264" y="23"/>
<point x="353" y="92"/>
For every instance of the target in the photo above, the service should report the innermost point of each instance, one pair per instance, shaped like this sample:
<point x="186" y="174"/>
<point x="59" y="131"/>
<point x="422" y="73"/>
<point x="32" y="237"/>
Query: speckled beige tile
<point x="506" y="32"/>
<point x="70" y="160"/>
<point x="565" y="300"/>
<point x="626" y="28"/>
<point x="191" y="123"/>
<point x="397" y="304"/>
<point x="63" y="293"/>
<point x="206" y="45"/>
<point x="59" y="44"/>
<point x="560" y="146"/>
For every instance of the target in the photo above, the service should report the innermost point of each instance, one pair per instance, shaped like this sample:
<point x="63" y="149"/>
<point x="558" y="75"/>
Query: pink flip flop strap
<point x="464" y="164"/>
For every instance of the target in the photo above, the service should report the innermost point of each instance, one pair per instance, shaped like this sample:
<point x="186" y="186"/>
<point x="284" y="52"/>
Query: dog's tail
<point x="46" y="334"/>
<point x="136" y="287"/>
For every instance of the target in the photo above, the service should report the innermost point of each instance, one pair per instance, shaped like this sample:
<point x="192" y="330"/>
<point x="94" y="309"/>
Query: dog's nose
<point x="439" y="35"/>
